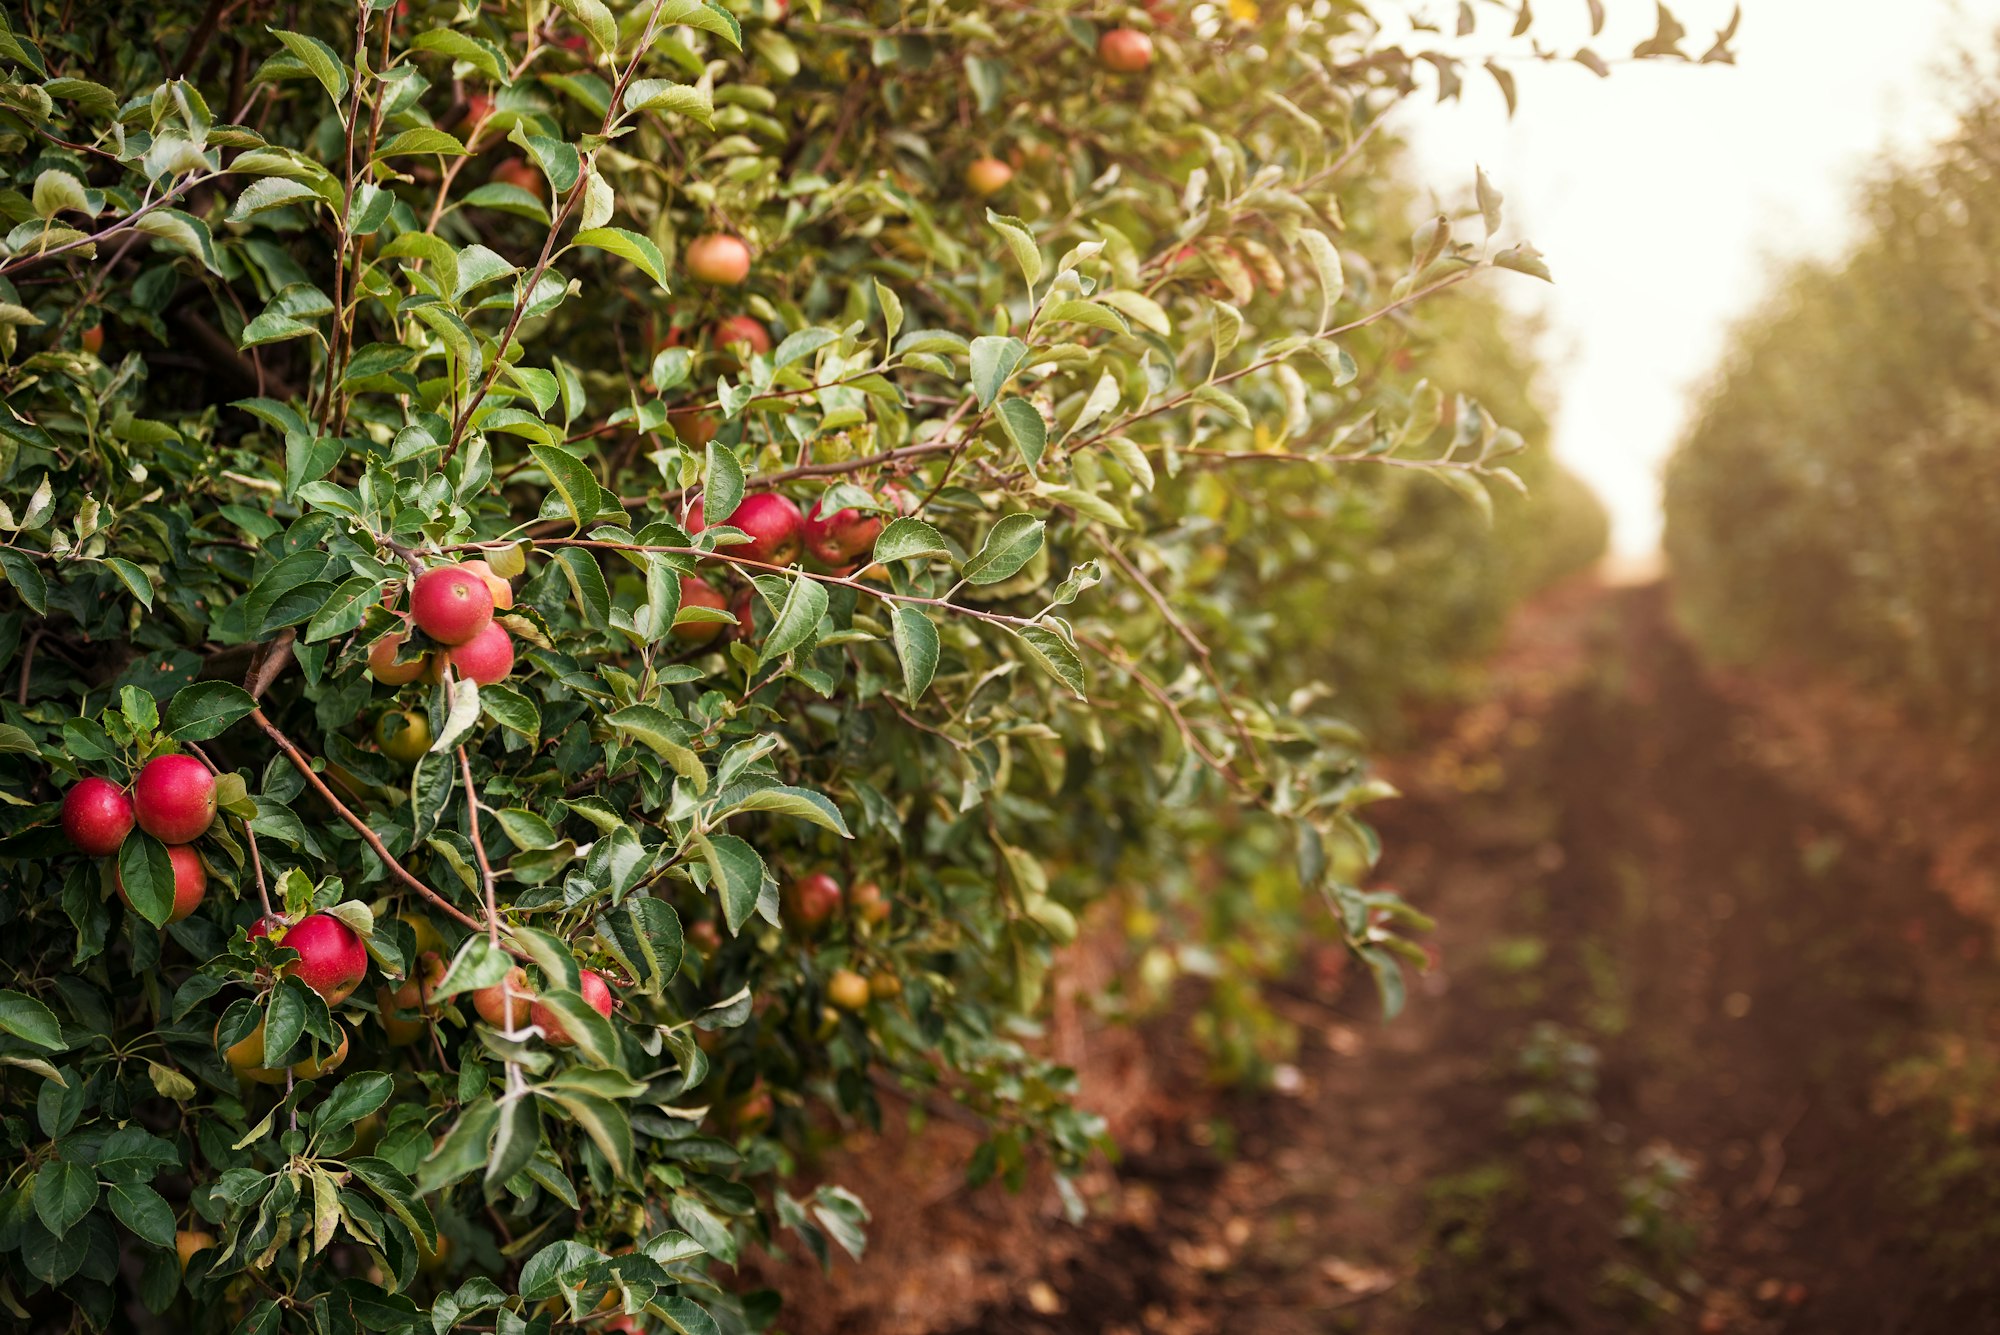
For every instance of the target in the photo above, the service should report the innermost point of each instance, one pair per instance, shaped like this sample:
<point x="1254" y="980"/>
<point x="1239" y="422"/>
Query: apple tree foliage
<point x="298" y="299"/>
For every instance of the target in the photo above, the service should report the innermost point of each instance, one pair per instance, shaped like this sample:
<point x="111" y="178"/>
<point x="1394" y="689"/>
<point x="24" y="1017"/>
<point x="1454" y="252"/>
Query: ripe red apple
<point x="507" y="1003"/>
<point x="595" y="991"/>
<point x="1125" y="50"/>
<point x="413" y="995"/>
<point x="812" y="899"/>
<point x="502" y="591"/>
<point x="382" y="664"/>
<point x="516" y="172"/>
<point x="477" y="108"/>
<point x="486" y="658"/>
<point x="332" y="961"/>
<point x="93" y="339"/>
<point x="742" y="329"/>
<point x="744" y="608"/>
<point x="704" y="936"/>
<point x="693" y="426"/>
<point x="775" y="526"/>
<point x="867" y="902"/>
<point x="837" y="538"/>
<point x="718" y="258"/>
<point x="847" y="990"/>
<point x="190" y="881"/>
<point x="96" y="815"/>
<point x="174" y="799"/>
<point x="987" y="176"/>
<point x="700" y="593"/>
<point x="451" y="604"/>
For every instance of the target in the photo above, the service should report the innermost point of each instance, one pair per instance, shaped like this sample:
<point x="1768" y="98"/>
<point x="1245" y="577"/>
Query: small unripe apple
<point x="718" y="258"/>
<point x="190" y="1241"/>
<point x="595" y="991"/>
<point x="693" y="426"/>
<point x="502" y="591"/>
<point x="700" y="593"/>
<point x="811" y="899"/>
<point x="96" y="815"/>
<point x="987" y="176"/>
<point x="506" y="1004"/>
<point x="413" y="995"/>
<point x="190" y="881"/>
<point x="451" y="604"/>
<point x="93" y="339"/>
<point x="403" y="735"/>
<point x="837" y="538"/>
<point x="517" y="173"/>
<point x="486" y="658"/>
<point x="867" y="902"/>
<point x="174" y="799"/>
<point x="424" y="932"/>
<point x="775" y="525"/>
<point x="1125" y="50"/>
<point x="736" y="329"/>
<point x="884" y="985"/>
<point x="332" y="961"/>
<point x="847" y="990"/>
<point x="246" y="1059"/>
<point x="382" y="664"/>
<point x="704" y="936"/>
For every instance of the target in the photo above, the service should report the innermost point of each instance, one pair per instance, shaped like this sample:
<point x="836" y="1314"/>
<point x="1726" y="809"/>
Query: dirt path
<point x="1699" y="1057"/>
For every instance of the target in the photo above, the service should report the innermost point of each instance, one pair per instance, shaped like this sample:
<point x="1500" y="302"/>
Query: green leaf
<point x="482" y="56"/>
<point x="1141" y="309"/>
<point x="594" y="17"/>
<point x="400" y="1192"/>
<point x="630" y="246"/>
<point x="693" y="101"/>
<point x="577" y="484"/>
<point x="421" y="141"/>
<point x="1086" y="313"/>
<point x="133" y="578"/>
<point x="1053" y="655"/>
<point x="147" y="874"/>
<point x="994" y="361"/>
<point x="1326" y="263"/>
<point x="602" y="1120"/>
<point x="736" y="873"/>
<point x="1011" y="544"/>
<point x="144" y="1211"/>
<point x="271" y="193"/>
<point x="320" y="61"/>
<point x="345" y="609"/>
<point x="478" y="963"/>
<point x="206" y="709"/>
<point x="695" y="14"/>
<point x="463" y="1150"/>
<point x="515" y="1140"/>
<point x="586" y="582"/>
<point x="1023" y="423"/>
<point x="803" y="803"/>
<point x="722" y="485"/>
<point x="595" y="1039"/>
<point x="1524" y="258"/>
<point x="64" y="1193"/>
<point x="917" y="648"/>
<point x="1021" y="240"/>
<point x="645" y="934"/>
<point x="798" y="619"/>
<point x="284" y="1021"/>
<point x="356" y="1096"/>
<point x="26" y="1018"/>
<point x="905" y="537"/>
<point x="659" y="731"/>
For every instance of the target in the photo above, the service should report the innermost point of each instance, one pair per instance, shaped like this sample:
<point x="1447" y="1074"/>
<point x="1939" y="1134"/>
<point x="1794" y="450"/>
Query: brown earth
<point x="1703" y="1053"/>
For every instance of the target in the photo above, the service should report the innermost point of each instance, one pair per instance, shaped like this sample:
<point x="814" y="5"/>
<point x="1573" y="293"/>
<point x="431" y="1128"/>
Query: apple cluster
<point x="172" y="799"/>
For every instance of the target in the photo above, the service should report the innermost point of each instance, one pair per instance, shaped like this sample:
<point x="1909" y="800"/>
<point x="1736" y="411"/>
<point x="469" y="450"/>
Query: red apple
<point x="516" y="172"/>
<point x="190" y="881"/>
<point x="595" y="991"/>
<point x="332" y="961"/>
<point x="93" y="339"/>
<point x="744" y="608"/>
<point x="867" y="902"/>
<point x="174" y="799"/>
<point x="451" y="604"/>
<point x="506" y="1004"/>
<point x="987" y="176"/>
<point x="1125" y="50"/>
<point x="382" y="664"/>
<point x="742" y="329"/>
<point x="775" y="526"/>
<point x="693" y="426"/>
<point x="812" y="899"/>
<point x="837" y="538"/>
<point x="704" y="936"/>
<point x="700" y="593"/>
<point x="486" y="658"/>
<point x="96" y="815"/>
<point x="718" y="258"/>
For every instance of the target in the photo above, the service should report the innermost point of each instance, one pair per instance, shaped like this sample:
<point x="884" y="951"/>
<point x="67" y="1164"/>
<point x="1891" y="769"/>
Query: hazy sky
<point x="1664" y="196"/>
